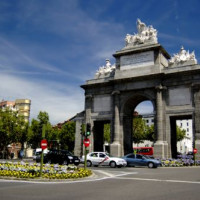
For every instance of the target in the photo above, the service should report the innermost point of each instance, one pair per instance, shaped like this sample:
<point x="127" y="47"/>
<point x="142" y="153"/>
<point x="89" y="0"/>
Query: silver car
<point x="103" y="159"/>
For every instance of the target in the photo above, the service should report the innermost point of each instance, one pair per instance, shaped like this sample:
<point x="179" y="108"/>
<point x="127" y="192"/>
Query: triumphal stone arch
<point x="143" y="71"/>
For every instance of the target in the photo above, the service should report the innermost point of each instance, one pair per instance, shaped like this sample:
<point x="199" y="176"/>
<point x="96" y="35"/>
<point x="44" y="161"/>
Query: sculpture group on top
<point x="183" y="56"/>
<point x="146" y="34"/>
<point x="106" y="70"/>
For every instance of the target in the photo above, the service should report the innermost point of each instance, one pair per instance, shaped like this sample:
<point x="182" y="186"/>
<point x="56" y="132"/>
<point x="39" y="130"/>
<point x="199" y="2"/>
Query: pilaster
<point x="161" y="146"/>
<point x="115" y="147"/>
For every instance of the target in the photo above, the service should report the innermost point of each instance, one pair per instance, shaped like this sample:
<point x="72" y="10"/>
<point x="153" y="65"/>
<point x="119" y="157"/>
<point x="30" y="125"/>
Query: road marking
<point x="106" y="173"/>
<point x="108" y="176"/>
<point x="114" y="175"/>
<point x="159" y="180"/>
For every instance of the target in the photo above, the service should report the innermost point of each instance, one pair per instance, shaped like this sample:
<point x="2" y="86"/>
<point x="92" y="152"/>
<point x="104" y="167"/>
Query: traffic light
<point x="82" y="129"/>
<point x="88" y="129"/>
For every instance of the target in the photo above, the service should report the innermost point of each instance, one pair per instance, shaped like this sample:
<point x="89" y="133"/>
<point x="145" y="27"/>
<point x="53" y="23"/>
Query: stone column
<point x="116" y="117"/>
<point x="196" y="120"/>
<point x="115" y="147"/>
<point x="78" y="146"/>
<point x="160" y="147"/>
<point x="159" y="113"/>
<point x="88" y="110"/>
<point x="78" y="151"/>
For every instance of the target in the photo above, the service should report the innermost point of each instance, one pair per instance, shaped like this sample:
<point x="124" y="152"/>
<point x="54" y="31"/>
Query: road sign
<point x="86" y="142"/>
<point x="195" y="151"/>
<point x="43" y="144"/>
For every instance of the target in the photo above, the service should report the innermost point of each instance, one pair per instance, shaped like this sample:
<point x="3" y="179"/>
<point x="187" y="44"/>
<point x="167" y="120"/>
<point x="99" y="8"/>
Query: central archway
<point x="128" y="109"/>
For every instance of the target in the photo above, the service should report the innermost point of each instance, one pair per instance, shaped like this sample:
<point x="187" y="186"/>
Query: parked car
<point x="103" y="159"/>
<point x="141" y="160"/>
<point x="59" y="156"/>
<point x="38" y="151"/>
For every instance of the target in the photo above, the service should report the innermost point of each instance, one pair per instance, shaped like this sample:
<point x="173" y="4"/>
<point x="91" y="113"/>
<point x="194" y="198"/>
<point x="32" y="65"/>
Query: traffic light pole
<point x="87" y="133"/>
<point x="42" y="154"/>
<point x="85" y="158"/>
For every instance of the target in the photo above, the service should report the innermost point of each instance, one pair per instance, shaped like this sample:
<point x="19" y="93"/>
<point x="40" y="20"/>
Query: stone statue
<point x="106" y="70"/>
<point x="183" y="56"/>
<point x="146" y="34"/>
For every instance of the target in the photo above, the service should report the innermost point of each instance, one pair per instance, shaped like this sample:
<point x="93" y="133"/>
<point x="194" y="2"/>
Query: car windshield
<point x="147" y="157"/>
<point x="67" y="153"/>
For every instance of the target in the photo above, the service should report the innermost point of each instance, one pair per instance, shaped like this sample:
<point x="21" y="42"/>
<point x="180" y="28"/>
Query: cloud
<point x="58" y="100"/>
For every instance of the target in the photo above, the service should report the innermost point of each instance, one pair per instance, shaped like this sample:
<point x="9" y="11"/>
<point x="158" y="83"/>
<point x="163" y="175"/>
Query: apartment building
<point x="7" y="104"/>
<point x="187" y="143"/>
<point x="21" y="105"/>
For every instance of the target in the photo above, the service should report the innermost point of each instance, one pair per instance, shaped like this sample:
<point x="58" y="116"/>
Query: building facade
<point x="185" y="145"/>
<point x="23" y="107"/>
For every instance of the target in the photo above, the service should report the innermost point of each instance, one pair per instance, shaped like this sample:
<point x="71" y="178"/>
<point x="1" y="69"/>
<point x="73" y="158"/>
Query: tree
<point x="35" y="130"/>
<point x="67" y="136"/>
<point x="107" y="133"/>
<point x="13" y="128"/>
<point x="150" y="135"/>
<point x="180" y="134"/>
<point x="139" y="129"/>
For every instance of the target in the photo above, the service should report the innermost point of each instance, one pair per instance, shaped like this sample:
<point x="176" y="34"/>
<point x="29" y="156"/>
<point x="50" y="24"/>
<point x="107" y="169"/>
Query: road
<point x="112" y="184"/>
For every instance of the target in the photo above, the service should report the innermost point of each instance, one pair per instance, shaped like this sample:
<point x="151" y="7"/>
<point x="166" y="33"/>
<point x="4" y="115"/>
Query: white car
<point x="38" y="151"/>
<point x="103" y="159"/>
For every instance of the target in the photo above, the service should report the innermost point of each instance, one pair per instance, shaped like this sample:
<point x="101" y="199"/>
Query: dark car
<point x="60" y="156"/>
<point x="141" y="160"/>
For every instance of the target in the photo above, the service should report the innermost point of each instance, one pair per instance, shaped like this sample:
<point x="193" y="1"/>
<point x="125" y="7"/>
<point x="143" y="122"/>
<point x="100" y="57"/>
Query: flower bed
<point x="179" y="162"/>
<point x="32" y="170"/>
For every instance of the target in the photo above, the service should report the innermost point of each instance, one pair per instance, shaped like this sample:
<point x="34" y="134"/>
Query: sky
<point x="49" y="48"/>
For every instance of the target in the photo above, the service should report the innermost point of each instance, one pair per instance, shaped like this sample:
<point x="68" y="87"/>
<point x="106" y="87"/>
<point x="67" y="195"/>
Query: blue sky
<point x="48" y="48"/>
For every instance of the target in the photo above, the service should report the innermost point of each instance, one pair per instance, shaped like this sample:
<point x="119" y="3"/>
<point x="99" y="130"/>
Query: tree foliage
<point x="180" y="134"/>
<point x="107" y="133"/>
<point x="35" y="129"/>
<point x="13" y="128"/>
<point x="67" y="136"/>
<point x="140" y="130"/>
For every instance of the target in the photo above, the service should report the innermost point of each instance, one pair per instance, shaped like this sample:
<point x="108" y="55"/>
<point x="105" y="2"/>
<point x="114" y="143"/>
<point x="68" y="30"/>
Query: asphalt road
<point x="112" y="184"/>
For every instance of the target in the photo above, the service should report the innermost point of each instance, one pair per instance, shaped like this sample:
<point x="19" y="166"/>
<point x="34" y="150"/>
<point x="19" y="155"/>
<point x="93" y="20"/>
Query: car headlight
<point x="70" y="157"/>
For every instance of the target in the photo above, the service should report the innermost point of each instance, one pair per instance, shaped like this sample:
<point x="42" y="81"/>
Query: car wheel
<point x="65" y="162"/>
<point x="89" y="163"/>
<point x="49" y="161"/>
<point x="76" y="164"/>
<point x="113" y="164"/>
<point x="150" y="165"/>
